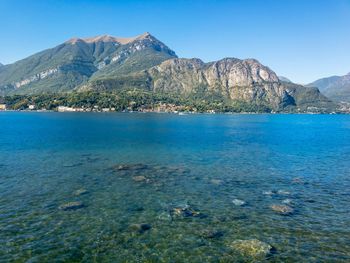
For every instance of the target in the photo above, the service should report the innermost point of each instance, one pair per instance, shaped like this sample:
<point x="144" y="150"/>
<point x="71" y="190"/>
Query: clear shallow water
<point x="200" y="161"/>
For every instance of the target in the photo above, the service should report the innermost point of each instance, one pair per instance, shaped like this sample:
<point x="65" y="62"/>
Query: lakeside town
<point x="161" y="107"/>
<point x="344" y="108"/>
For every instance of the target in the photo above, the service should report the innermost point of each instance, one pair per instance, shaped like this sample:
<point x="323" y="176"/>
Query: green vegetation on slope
<point x="136" y="100"/>
<point x="71" y="64"/>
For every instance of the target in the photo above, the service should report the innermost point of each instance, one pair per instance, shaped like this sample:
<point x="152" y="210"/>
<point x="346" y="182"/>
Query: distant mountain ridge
<point x="335" y="87"/>
<point x="107" y="63"/>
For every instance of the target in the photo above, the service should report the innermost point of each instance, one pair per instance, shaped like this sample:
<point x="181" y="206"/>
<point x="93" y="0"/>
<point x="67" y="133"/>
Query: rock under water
<point x="141" y="228"/>
<point x="282" y="209"/>
<point x="81" y="191"/>
<point x="185" y="211"/>
<point x="238" y="202"/>
<point x="71" y="206"/>
<point x="252" y="248"/>
<point x="139" y="178"/>
<point x="211" y="233"/>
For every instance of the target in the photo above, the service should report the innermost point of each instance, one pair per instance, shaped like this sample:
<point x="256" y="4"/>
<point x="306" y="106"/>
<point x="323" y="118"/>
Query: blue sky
<point x="301" y="39"/>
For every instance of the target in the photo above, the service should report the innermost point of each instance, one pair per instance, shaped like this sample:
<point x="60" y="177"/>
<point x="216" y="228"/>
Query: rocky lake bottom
<point x="89" y="187"/>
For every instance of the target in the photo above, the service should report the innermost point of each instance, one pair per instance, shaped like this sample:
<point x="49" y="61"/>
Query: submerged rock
<point x="253" y="248"/>
<point x="81" y="191"/>
<point x="155" y="175"/>
<point x="139" y="178"/>
<point x="164" y="216"/>
<point x="126" y="167"/>
<point x="282" y="209"/>
<point x="71" y="206"/>
<point x="269" y="192"/>
<point x="210" y="233"/>
<point x="283" y="192"/>
<point x="141" y="228"/>
<point x="216" y="181"/>
<point x="185" y="211"/>
<point x="238" y="202"/>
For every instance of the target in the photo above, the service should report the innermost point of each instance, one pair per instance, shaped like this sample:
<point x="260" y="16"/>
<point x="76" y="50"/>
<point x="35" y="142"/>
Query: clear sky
<point x="301" y="39"/>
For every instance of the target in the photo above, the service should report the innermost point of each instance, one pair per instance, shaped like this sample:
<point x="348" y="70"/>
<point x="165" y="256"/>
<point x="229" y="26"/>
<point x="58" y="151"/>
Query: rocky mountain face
<point x="241" y="80"/>
<point x="336" y="88"/>
<point x="107" y="63"/>
<point x="244" y="80"/>
<point x="229" y="78"/>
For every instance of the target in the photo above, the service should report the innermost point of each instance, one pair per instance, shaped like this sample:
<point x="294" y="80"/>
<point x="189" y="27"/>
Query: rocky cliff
<point x="244" y="80"/>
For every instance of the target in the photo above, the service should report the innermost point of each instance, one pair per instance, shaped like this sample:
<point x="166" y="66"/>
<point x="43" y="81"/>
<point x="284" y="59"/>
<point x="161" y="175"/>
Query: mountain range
<point x="106" y="63"/>
<point x="336" y="88"/>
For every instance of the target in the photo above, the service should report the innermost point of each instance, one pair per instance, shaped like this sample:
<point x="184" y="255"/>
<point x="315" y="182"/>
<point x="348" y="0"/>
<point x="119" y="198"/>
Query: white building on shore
<point x="65" y="109"/>
<point x="2" y="106"/>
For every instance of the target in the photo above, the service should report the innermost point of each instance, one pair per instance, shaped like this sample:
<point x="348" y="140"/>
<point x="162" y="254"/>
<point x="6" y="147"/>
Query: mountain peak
<point x="144" y="35"/>
<point x="109" y="38"/>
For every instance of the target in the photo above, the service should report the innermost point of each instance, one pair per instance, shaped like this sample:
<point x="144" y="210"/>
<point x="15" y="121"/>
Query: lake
<point x="133" y="187"/>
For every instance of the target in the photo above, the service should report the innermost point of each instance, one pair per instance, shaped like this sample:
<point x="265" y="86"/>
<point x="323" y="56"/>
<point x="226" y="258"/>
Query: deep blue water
<point x="198" y="161"/>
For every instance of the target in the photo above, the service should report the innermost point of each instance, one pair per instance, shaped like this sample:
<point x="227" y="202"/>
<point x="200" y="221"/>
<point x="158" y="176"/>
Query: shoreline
<point x="182" y="113"/>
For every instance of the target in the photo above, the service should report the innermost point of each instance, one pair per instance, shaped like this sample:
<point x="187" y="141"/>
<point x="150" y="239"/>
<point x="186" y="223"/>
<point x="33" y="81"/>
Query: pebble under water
<point x="94" y="187"/>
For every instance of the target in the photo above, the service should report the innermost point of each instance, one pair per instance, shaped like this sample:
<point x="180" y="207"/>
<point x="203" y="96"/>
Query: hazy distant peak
<point x="281" y="78"/>
<point x="336" y="88"/>
<point x="108" y="38"/>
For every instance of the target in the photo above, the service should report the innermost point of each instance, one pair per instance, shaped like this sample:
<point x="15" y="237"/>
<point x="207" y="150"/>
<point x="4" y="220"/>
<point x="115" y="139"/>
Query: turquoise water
<point x="177" y="175"/>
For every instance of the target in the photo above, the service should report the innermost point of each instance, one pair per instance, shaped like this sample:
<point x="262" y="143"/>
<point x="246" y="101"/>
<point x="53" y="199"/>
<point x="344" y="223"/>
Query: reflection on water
<point x="167" y="188"/>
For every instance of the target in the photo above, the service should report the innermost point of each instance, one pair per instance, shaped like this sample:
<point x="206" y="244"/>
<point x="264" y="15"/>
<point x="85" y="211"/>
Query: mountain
<point x="335" y="87"/>
<point x="106" y="63"/>
<point x="242" y="80"/>
<point x="239" y="80"/>
<point x="74" y="62"/>
<point x="284" y="79"/>
<point x="229" y="78"/>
